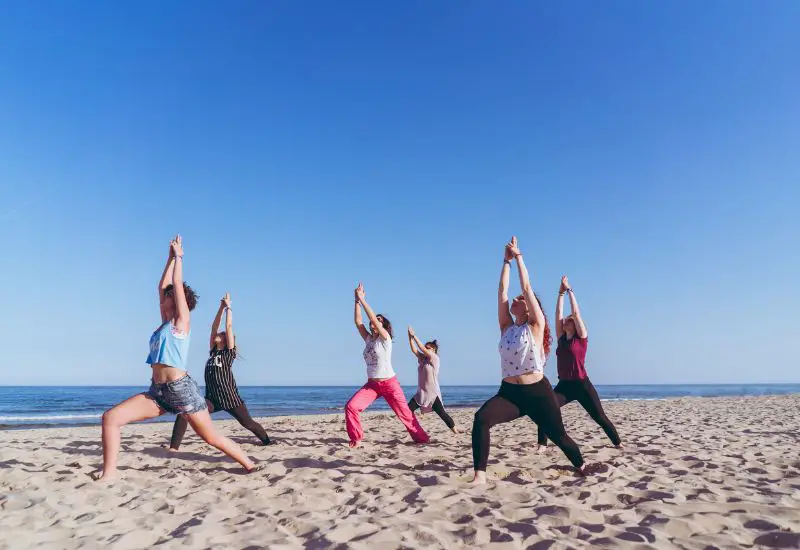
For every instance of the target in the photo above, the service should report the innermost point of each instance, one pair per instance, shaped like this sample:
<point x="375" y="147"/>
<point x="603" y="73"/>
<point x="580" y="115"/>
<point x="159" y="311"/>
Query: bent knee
<point x="480" y="420"/>
<point x="111" y="418"/>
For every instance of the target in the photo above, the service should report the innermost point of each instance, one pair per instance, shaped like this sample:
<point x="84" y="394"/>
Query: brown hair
<point x="434" y="344"/>
<point x="386" y="324"/>
<point x="191" y="295"/>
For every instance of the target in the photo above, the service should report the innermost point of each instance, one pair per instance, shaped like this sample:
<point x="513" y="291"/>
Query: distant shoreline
<point x="222" y="416"/>
<point x="671" y="385"/>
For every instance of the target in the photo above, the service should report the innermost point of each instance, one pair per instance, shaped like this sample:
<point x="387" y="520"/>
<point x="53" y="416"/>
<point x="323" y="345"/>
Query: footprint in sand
<point x="779" y="540"/>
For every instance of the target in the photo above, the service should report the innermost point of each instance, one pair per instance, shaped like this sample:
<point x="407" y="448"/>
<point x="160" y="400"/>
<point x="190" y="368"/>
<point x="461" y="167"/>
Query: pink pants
<point x="391" y="391"/>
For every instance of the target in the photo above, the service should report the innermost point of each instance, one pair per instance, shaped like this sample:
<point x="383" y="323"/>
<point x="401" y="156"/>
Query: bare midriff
<point x="163" y="374"/>
<point x="523" y="379"/>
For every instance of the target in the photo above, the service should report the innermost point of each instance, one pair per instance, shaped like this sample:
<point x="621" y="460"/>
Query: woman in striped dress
<point x="222" y="394"/>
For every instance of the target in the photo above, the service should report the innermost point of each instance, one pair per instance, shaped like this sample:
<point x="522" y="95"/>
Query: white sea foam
<point x="45" y="418"/>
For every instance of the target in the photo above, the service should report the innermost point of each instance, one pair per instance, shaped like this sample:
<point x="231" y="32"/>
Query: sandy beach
<point x="695" y="473"/>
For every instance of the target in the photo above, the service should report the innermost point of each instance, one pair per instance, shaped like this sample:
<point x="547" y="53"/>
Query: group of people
<point x="525" y="341"/>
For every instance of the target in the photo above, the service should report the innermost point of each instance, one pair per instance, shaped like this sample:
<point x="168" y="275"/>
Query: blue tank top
<point x="169" y="347"/>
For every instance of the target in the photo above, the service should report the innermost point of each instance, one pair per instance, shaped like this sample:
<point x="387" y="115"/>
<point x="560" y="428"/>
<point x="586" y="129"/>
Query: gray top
<point x="427" y="382"/>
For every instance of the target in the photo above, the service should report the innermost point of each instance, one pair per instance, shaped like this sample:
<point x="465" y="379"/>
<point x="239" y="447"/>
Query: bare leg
<point x="133" y="409"/>
<point x="179" y="428"/>
<point x="202" y="425"/>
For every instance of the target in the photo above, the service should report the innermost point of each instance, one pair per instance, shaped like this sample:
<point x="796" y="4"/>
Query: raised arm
<point x="182" y="321"/>
<point x="412" y="343"/>
<point x="229" y="336"/>
<point x="362" y="330"/>
<point x="166" y="280"/>
<point x="412" y="337"/>
<point x="503" y="313"/>
<point x="215" y="325"/>
<point x="580" y="327"/>
<point x="373" y="319"/>
<point x="535" y="313"/>
<point x="560" y="312"/>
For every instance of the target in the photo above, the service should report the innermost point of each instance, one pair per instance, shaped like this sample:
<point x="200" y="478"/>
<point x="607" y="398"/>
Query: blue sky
<point x="649" y="150"/>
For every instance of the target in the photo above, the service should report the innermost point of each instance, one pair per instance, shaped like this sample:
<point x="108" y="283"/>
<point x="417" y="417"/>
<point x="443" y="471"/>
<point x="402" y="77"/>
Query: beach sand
<point x="695" y="473"/>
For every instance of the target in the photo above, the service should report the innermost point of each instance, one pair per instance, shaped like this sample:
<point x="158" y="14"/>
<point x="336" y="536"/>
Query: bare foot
<point x="455" y="430"/>
<point x="255" y="468"/>
<point x="479" y="479"/>
<point x="355" y="444"/>
<point x="101" y="477"/>
<point x="541" y="449"/>
<point x="172" y="450"/>
<point x="620" y="447"/>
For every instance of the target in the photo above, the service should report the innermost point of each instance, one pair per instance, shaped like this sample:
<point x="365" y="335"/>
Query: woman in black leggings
<point x="429" y="394"/>
<point x="573" y="382"/>
<point x="525" y="391"/>
<point x="222" y="394"/>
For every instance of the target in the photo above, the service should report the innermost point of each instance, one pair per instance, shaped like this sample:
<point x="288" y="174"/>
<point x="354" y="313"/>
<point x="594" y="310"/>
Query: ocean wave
<point x="48" y="417"/>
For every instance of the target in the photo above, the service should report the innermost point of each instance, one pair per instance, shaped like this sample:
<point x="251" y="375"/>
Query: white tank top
<point x="519" y="353"/>
<point x="378" y="356"/>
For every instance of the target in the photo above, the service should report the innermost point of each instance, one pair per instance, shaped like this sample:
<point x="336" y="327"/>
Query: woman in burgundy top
<point x="573" y="382"/>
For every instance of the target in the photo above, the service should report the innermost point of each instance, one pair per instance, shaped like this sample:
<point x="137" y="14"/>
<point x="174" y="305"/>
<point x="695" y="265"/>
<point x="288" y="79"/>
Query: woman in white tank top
<point x="381" y="379"/>
<point x="525" y="390"/>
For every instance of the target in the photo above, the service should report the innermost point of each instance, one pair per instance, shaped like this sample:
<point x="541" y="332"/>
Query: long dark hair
<point x="386" y="324"/>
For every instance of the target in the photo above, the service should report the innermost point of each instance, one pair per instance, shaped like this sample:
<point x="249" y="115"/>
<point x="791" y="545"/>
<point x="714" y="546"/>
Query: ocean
<point x="48" y="406"/>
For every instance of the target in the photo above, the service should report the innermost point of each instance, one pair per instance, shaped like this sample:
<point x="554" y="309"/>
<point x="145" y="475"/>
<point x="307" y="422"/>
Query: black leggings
<point x="240" y="413"/>
<point x="584" y="393"/>
<point x="538" y="402"/>
<point x="438" y="408"/>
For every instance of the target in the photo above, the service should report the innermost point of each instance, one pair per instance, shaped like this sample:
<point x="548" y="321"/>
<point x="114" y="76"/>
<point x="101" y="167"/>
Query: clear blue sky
<point x="650" y="150"/>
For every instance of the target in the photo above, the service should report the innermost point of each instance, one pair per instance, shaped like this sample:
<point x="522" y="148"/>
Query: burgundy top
<point x="571" y="358"/>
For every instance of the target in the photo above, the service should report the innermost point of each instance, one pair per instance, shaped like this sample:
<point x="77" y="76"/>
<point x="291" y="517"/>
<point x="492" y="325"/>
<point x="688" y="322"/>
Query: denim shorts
<point x="179" y="397"/>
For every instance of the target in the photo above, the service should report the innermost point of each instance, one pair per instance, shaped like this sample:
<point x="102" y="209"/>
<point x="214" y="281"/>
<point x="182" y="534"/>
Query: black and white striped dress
<point x="221" y="388"/>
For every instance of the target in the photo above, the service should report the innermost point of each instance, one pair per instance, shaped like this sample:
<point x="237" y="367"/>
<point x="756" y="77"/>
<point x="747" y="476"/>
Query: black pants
<point x="240" y="413"/>
<point x="438" y="408"/>
<point x="538" y="402"/>
<point x="584" y="393"/>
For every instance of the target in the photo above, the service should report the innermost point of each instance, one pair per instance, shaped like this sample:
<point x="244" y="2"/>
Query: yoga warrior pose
<point x="524" y="345"/>
<point x="381" y="380"/>
<point x="429" y="395"/>
<point x="172" y="389"/>
<point x="222" y="394"/>
<point x="573" y="382"/>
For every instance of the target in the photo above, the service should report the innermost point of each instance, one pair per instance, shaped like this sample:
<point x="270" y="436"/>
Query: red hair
<point x="547" y="338"/>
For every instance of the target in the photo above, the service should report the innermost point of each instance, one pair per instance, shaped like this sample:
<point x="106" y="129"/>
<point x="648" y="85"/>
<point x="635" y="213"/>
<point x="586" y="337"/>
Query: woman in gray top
<point x="429" y="395"/>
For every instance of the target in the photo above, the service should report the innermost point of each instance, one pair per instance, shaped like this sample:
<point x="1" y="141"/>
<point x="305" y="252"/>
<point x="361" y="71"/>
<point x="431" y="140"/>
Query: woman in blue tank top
<point x="172" y="389"/>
